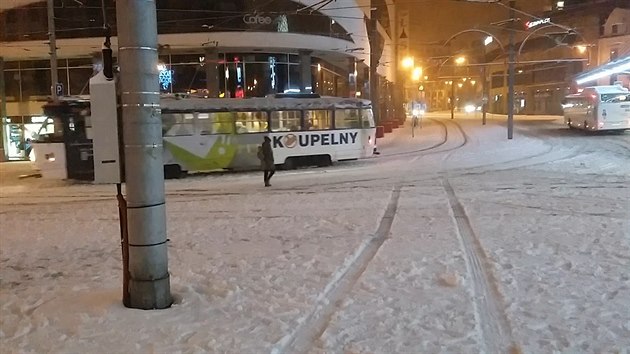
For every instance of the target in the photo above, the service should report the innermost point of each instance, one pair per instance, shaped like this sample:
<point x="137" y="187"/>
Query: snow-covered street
<point x="454" y="241"/>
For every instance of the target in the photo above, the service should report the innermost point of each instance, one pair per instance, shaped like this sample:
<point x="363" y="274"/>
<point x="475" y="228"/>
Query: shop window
<point x="284" y="121"/>
<point x="257" y="79"/>
<point x="294" y="78"/>
<point x="347" y="119"/>
<point x="80" y="62"/>
<point x="35" y="82"/>
<point x="251" y="122"/>
<point x="280" y="75"/>
<point x="317" y="120"/>
<point x="216" y="123"/>
<point x="185" y="78"/>
<point x="80" y="81"/>
<point x="12" y="85"/>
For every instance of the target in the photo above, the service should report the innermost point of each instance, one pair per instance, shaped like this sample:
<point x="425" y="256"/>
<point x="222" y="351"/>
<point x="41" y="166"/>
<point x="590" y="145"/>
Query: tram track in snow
<point x="441" y="142"/>
<point x="493" y="324"/>
<point x="309" y="328"/>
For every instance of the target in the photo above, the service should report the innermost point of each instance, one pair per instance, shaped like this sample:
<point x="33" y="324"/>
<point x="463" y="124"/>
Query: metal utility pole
<point x="453" y="99"/>
<point x="149" y="283"/>
<point x="511" y="59"/>
<point x="374" y="82"/>
<point x="3" y="107"/>
<point x="484" y="93"/>
<point x="52" y="39"/>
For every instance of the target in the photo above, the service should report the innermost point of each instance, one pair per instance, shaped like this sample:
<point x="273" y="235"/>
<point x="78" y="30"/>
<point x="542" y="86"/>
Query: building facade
<point x="554" y="48"/>
<point x="221" y="48"/>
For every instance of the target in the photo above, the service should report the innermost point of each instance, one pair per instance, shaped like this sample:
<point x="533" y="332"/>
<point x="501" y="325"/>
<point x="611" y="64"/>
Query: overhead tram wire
<point x="566" y="28"/>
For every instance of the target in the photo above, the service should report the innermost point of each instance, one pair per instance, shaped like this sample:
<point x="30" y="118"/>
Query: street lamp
<point x="407" y="62"/>
<point x="416" y="74"/>
<point x="459" y="61"/>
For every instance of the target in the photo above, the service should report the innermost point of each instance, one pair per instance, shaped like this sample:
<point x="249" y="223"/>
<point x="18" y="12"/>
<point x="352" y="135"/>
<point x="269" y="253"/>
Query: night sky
<point x="435" y="20"/>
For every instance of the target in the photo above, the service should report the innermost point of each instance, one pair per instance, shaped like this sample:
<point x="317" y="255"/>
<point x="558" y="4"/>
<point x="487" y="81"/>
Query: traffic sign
<point x="59" y="89"/>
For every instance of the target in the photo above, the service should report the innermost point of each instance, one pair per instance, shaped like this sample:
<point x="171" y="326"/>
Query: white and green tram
<point x="206" y="134"/>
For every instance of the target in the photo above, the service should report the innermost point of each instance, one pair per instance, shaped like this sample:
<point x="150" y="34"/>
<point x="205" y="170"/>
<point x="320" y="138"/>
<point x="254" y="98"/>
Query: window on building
<point x="284" y="121"/>
<point x="615" y="28"/>
<point x="614" y="53"/>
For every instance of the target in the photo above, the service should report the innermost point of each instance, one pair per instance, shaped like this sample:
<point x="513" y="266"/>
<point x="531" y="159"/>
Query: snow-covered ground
<point x="464" y="242"/>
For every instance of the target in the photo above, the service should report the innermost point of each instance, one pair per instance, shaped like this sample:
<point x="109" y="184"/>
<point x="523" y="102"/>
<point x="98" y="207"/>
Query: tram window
<point x="177" y="124"/>
<point x="367" y="118"/>
<point x="285" y="121"/>
<point x="215" y="123"/>
<point x="347" y="119"/>
<point x="317" y="120"/>
<point x="251" y="122"/>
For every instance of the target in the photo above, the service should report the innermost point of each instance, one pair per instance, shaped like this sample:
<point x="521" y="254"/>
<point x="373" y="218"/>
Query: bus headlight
<point x="469" y="108"/>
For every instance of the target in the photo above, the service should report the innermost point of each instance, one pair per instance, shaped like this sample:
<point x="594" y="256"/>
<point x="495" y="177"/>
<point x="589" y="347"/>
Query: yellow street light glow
<point x="460" y="60"/>
<point x="460" y="84"/>
<point x="472" y="82"/>
<point x="417" y="74"/>
<point x="581" y="49"/>
<point x="407" y="62"/>
<point x="319" y="67"/>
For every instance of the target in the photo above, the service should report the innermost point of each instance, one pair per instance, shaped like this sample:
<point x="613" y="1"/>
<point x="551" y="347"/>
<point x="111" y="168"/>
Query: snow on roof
<point x="266" y="103"/>
<point x="608" y="89"/>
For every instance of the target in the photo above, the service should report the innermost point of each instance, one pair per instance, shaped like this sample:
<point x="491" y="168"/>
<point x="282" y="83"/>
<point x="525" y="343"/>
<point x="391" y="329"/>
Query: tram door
<point x="71" y="119"/>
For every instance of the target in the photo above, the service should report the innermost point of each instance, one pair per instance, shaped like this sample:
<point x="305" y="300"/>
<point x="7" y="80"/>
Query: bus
<point x="598" y="108"/>
<point x="206" y="134"/>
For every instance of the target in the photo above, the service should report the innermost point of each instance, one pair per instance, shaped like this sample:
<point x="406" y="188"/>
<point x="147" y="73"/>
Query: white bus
<point x="205" y="134"/>
<point x="598" y="108"/>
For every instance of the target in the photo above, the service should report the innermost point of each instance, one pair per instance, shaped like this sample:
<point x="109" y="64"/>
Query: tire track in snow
<point x="311" y="327"/>
<point x="492" y="322"/>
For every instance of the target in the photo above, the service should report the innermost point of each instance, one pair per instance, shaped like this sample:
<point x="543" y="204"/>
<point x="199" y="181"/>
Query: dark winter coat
<point x="267" y="162"/>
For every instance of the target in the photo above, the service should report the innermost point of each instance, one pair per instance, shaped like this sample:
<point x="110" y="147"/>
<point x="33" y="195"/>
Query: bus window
<point x="251" y="122"/>
<point x="318" y="120"/>
<point x="285" y="121"/>
<point x="347" y="119"/>
<point x="367" y="118"/>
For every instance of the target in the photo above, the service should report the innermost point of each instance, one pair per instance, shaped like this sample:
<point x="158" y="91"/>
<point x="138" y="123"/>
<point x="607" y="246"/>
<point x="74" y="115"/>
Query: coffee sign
<point x="256" y="19"/>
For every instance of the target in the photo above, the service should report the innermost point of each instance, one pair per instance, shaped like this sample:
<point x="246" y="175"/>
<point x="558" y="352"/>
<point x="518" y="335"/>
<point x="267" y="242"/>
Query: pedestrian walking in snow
<point x="265" y="154"/>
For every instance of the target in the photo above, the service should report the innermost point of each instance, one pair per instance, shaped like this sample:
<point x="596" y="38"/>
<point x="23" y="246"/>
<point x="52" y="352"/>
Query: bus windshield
<point x="615" y="97"/>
